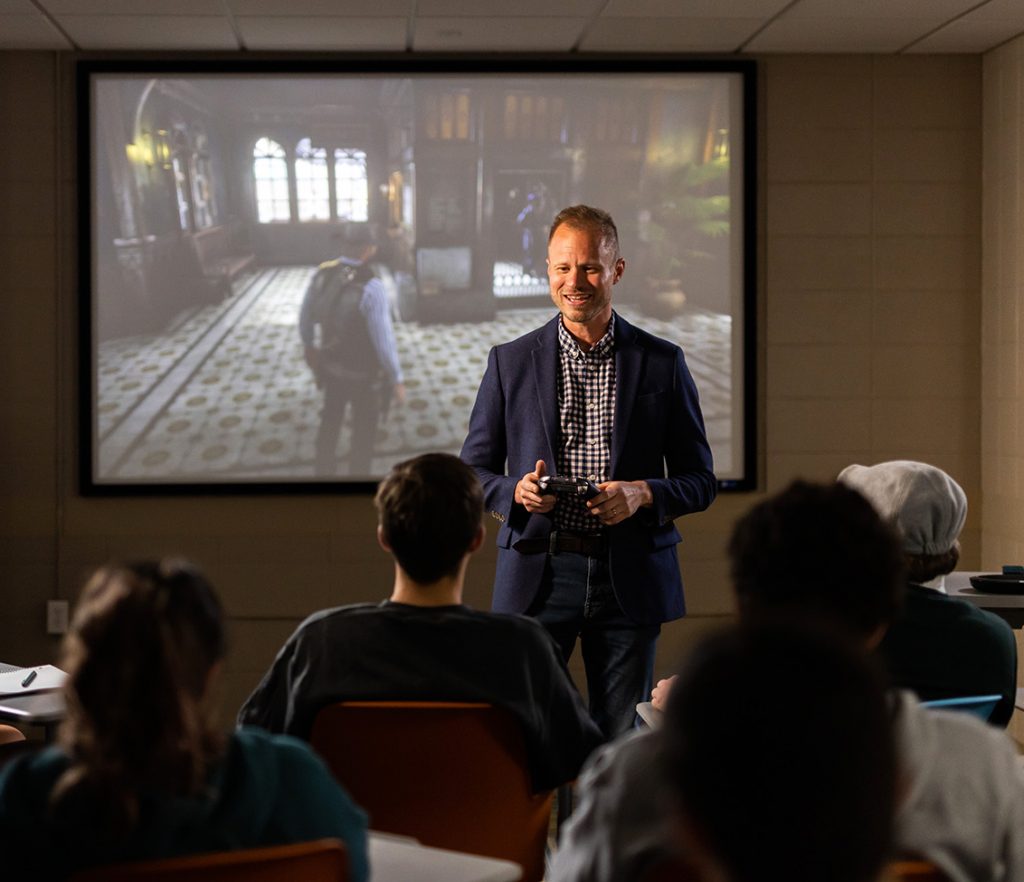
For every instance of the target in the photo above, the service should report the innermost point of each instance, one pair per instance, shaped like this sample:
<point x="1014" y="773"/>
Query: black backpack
<point x="345" y="341"/>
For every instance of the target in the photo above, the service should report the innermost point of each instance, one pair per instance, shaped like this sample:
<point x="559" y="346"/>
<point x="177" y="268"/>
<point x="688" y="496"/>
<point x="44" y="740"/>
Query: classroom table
<point x="44" y="709"/>
<point x="403" y="859"/>
<point x="1009" y="607"/>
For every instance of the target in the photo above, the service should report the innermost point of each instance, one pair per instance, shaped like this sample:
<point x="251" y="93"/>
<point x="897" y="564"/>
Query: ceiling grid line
<point x="938" y="28"/>
<point x="638" y="27"/>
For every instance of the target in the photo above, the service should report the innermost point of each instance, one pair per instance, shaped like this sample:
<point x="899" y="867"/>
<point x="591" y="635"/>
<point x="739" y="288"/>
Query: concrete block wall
<point x="869" y="309"/>
<point x="1002" y="315"/>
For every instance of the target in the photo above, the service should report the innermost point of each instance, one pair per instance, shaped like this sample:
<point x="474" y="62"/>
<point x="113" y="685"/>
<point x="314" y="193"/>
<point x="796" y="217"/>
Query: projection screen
<point x="213" y="194"/>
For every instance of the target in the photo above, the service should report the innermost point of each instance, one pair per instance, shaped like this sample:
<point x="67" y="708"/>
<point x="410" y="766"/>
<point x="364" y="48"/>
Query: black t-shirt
<point x="397" y="652"/>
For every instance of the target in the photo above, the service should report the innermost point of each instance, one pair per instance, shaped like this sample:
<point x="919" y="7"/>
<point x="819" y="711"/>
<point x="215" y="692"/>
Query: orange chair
<point x="452" y="775"/>
<point x="914" y="871"/>
<point x="324" y="860"/>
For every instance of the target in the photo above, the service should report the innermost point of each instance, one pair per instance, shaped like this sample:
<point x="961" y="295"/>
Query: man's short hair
<point x="353" y="237"/>
<point x="430" y="509"/>
<point x="778" y="744"/>
<point x="818" y="550"/>
<point x="585" y="217"/>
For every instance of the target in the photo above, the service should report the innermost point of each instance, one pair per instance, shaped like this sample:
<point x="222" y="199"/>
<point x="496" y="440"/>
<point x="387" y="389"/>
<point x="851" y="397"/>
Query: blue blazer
<point x="657" y="436"/>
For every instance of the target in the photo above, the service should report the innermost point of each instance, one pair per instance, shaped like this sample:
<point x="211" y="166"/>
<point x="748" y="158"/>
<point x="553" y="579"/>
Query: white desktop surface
<point x="958" y="584"/>
<point x="37" y="708"/>
<point x="401" y="859"/>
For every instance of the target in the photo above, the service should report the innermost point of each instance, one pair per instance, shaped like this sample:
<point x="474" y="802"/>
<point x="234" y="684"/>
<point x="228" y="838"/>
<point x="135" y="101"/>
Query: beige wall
<point x="869" y="301"/>
<point x="1002" y="319"/>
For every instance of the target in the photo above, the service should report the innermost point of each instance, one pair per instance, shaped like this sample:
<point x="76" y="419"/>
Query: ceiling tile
<point x="884" y="26"/>
<point x="328" y="8"/>
<point x="148" y="32"/>
<point x="669" y="35"/>
<point x="485" y="34"/>
<point x="968" y="35"/>
<point x="999" y="9"/>
<point x="1007" y="11"/>
<point x="321" y="33"/>
<point x="787" y="34"/>
<point x="503" y="9"/>
<point x="924" y="10"/>
<point x="693" y="8"/>
<point x="30" y="32"/>
<point x="133" y="7"/>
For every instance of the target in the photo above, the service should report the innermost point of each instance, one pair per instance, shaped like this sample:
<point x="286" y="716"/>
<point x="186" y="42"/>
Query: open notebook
<point x="35" y="679"/>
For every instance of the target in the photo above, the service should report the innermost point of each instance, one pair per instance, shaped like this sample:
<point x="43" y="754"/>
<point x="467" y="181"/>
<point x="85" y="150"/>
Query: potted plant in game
<point x="686" y="230"/>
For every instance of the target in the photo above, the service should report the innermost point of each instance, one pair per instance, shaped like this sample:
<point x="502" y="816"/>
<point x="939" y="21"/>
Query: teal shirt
<point x="268" y="790"/>
<point x="943" y="647"/>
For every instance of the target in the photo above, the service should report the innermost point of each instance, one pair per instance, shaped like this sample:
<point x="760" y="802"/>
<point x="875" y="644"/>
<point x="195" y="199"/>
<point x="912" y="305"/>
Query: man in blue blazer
<point x="590" y="396"/>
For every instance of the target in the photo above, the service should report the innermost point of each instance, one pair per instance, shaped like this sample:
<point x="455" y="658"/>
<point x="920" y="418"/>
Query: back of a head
<point x="926" y="506"/>
<point x="817" y="550"/>
<point x="142" y="644"/>
<point x="430" y="509"/>
<point x="779" y="746"/>
<point x="355" y="238"/>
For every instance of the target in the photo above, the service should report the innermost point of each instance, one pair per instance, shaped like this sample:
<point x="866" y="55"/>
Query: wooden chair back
<point x="323" y="860"/>
<point x="914" y="871"/>
<point x="451" y="774"/>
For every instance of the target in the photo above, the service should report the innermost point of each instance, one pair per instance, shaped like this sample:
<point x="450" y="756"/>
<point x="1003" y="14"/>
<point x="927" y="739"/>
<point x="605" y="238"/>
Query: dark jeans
<point x="364" y="413"/>
<point x="576" y="600"/>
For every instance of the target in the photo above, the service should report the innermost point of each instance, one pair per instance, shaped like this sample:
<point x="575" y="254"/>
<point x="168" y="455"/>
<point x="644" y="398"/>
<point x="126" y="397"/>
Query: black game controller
<point x="562" y="485"/>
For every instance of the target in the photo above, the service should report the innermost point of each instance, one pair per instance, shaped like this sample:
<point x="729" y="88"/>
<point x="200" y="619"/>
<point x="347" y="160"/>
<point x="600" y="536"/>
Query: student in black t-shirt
<point x="423" y="643"/>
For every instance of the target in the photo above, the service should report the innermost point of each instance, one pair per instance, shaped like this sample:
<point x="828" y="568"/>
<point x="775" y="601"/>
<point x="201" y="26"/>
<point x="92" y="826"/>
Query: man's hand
<point x="619" y="500"/>
<point x="528" y="492"/>
<point x="659" y="694"/>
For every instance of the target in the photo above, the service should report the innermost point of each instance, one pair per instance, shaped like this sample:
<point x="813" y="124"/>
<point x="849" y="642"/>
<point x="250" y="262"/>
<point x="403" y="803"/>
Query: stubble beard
<point x="584" y="312"/>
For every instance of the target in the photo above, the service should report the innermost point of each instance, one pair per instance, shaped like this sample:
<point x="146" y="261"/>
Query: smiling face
<point x="582" y="268"/>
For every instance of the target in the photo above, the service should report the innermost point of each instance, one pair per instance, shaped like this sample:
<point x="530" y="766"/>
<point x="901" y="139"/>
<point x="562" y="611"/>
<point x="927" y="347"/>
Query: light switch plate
<point x="56" y="616"/>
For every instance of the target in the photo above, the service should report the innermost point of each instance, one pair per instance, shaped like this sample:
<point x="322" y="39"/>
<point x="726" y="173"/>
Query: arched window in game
<point x="270" y="168"/>
<point x="311" y="182"/>
<point x="352" y="193"/>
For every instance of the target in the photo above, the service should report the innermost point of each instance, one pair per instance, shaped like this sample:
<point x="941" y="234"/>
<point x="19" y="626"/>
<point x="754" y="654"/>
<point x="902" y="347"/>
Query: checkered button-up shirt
<point x="586" y="410"/>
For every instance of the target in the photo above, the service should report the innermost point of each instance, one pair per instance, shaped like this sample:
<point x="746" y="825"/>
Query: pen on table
<point x="31" y="676"/>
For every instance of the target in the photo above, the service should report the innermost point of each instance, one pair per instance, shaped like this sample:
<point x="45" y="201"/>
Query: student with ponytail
<point x="140" y="771"/>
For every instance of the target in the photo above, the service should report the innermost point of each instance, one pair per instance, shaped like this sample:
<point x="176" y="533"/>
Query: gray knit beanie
<point x="926" y="505"/>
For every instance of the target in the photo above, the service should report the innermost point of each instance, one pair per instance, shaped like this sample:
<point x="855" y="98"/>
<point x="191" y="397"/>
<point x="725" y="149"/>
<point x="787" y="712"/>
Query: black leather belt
<point x="595" y="545"/>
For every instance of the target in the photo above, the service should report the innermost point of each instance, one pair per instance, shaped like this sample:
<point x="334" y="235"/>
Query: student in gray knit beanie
<point x="926" y="506"/>
<point x="939" y="646"/>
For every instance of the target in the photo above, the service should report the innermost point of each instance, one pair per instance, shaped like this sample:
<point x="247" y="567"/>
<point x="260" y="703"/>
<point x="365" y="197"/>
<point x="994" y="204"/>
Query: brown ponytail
<point x="142" y="644"/>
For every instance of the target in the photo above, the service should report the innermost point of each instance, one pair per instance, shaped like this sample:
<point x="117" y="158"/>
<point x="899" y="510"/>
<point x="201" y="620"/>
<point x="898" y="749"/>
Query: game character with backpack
<point x="349" y="344"/>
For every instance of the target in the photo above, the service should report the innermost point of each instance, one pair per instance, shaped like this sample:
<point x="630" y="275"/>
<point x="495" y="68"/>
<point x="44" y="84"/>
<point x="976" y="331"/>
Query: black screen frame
<point x="392" y="65"/>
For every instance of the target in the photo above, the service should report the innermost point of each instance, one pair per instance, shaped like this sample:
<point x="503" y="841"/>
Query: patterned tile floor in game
<point x="224" y="394"/>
